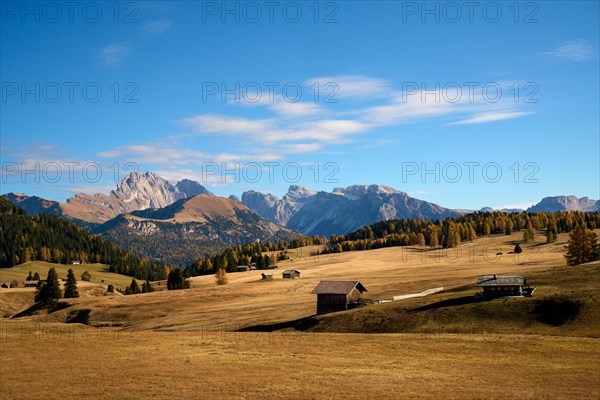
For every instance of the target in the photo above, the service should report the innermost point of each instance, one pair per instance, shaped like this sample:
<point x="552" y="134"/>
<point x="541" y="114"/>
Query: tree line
<point x="50" y="238"/>
<point x="451" y="232"/>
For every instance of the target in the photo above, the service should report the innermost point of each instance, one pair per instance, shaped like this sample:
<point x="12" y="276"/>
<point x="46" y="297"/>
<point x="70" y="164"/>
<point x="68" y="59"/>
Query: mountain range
<point x="341" y="211"/>
<point x="152" y="217"/>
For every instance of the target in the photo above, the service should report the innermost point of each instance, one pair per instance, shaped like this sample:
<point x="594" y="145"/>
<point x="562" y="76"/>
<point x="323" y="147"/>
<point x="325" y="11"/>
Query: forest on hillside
<point x="50" y="238"/>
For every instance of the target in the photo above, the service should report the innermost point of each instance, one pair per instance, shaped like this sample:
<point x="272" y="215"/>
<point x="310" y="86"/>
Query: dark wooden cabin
<point x="502" y="286"/>
<point x="335" y="296"/>
<point x="290" y="274"/>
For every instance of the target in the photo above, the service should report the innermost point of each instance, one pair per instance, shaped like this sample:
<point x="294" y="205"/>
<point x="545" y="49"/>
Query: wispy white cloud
<point x="305" y="128"/>
<point x="578" y="51"/>
<point x="332" y="88"/>
<point x="490" y="117"/>
<point x="286" y="108"/>
<point x="157" y="27"/>
<point x="114" y="54"/>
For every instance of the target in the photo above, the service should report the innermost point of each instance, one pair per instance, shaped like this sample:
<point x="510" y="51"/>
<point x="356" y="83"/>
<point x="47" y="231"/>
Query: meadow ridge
<point x="422" y="348"/>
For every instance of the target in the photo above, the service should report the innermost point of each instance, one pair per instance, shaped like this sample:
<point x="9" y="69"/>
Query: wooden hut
<point x="290" y="274"/>
<point x="335" y="296"/>
<point x="6" y="285"/>
<point x="267" y="275"/>
<point x="242" y="268"/>
<point x="30" y="283"/>
<point x="502" y="286"/>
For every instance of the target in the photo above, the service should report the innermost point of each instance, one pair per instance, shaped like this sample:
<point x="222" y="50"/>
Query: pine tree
<point x="133" y="288"/>
<point x="71" y="286"/>
<point x="517" y="249"/>
<point x="36" y="277"/>
<point x="176" y="280"/>
<point x="49" y="291"/>
<point x="582" y="247"/>
<point x="110" y="289"/>
<point x="29" y="277"/>
<point x="147" y="287"/>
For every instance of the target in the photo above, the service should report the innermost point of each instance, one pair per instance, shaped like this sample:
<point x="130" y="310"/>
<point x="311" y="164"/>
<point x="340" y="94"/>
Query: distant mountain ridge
<point x="190" y="228"/>
<point x="341" y="211"/>
<point x="301" y="209"/>
<point x="565" y="203"/>
<point x="135" y="192"/>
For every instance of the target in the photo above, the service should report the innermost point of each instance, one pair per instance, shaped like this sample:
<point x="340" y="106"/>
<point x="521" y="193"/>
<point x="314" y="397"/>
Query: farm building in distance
<point x="30" y="283"/>
<point x="267" y="275"/>
<point x="335" y="296"/>
<point x="6" y="285"/>
<point x="502" y="286"/>
<point x="242" y="268"/>
<point x="290" y="274"/>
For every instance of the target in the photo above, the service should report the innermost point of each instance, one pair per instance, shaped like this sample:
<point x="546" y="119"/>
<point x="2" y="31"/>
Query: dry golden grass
<point x="182" y="344"/>
<point x="247" y="300"/>
<point x="98" y="272"/>
<point x="57" y="361"/>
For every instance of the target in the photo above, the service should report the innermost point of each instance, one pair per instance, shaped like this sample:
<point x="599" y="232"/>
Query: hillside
<point x="190" y="228"/>
<point x="248" y="302"/>
<point x="566" y="302"/>
<point x="50" y="238"/>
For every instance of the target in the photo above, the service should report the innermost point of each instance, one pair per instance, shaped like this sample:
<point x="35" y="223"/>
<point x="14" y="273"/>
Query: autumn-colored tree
<point x="582" y="246"/>
<point x="221" y="277"/>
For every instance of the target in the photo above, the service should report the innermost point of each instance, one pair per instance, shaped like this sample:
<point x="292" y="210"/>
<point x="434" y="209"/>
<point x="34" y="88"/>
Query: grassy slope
<point x="98" y="272"/>
<point x="89" y="363"/>
<point x="202" y="358"/>
<point x="247" y="301"/>
<point x="566" y="302"/>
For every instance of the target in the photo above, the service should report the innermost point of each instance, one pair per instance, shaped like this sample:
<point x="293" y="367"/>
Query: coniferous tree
<point x="49" y="291"/>
<point x="134" y="288"/>
<point x="517" y="249"/>
<point x="110" y="289"/>
<point x="29" y="277"/>
<point x="36" y="277"/>
<point x="582" y="246"/>
<point x="71" y="286"/>
<point x="176" y="280"/>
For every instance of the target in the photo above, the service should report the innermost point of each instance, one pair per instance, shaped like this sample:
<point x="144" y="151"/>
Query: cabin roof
<point x="267" y="273"/>
<point x="338" y="287"/>
<point x="30" y="282"/>
<point x="289" y="271"/>
<point x="495" y="280"/>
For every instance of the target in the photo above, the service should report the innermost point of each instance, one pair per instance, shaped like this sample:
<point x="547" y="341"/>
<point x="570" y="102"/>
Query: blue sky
<point x="491" y="106"/>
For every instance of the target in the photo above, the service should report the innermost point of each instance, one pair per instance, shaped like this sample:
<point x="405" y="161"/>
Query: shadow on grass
<point x="301" y="324"/>
<point x="459" y="301"/>
<point x="38" y="307"/>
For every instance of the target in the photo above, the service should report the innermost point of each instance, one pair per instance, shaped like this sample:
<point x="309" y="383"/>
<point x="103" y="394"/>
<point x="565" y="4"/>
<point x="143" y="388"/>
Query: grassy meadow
<point x="260" y="339"/>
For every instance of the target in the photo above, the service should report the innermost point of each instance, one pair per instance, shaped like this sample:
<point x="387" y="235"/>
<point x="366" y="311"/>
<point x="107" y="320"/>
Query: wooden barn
<point x="242" y="268"/>
<point x="290" y="274"/>
<point x="30" y="283"/>
<point x="335" y="296"/>
<point x="267" y="275"/>
<point x="7" y="285"/>
<point x="502" y="286"/>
